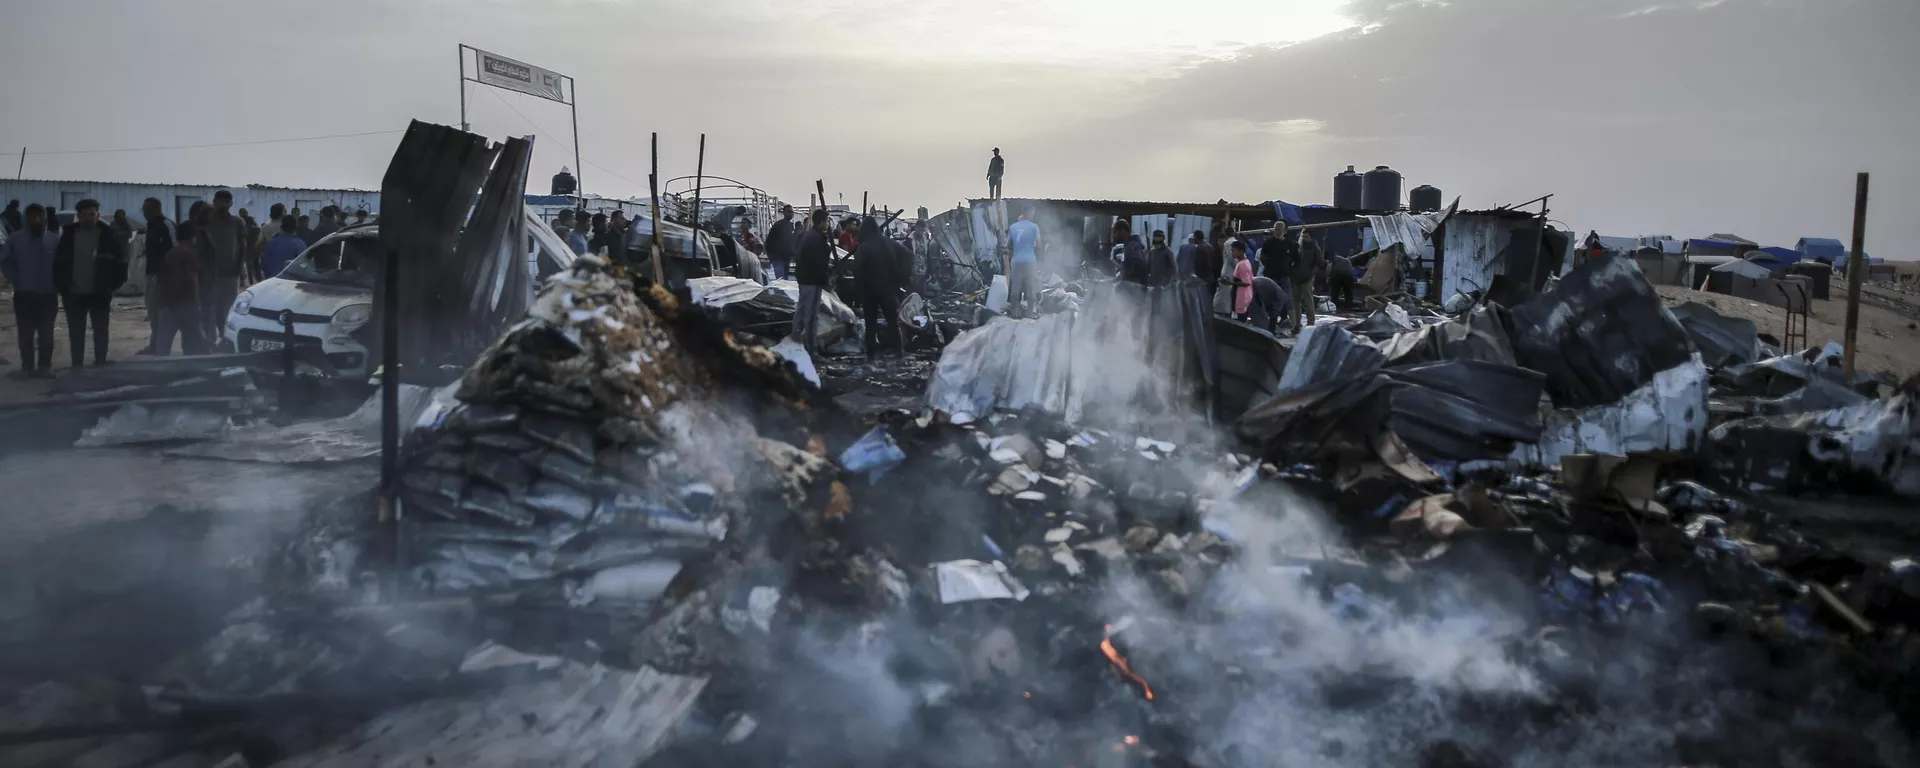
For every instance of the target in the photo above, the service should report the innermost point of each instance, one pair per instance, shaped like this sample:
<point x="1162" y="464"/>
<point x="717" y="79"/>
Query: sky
<point x="1640" y="116"/>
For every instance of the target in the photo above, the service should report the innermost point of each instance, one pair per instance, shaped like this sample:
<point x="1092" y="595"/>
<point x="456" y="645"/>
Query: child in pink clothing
<point x="1242" y="279"/>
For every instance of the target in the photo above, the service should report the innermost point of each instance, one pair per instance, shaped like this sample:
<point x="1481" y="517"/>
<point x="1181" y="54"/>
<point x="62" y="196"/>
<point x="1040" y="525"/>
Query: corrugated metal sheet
<point x="1471" y="249"/>
<point x="175" y="199"/>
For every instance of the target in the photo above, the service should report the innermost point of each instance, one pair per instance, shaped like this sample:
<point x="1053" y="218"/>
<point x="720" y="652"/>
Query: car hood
<point x="306" y="298"/>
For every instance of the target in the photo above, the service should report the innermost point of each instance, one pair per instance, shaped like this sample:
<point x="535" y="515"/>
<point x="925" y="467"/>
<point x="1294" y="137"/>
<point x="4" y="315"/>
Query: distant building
<point x="177" y="199"/>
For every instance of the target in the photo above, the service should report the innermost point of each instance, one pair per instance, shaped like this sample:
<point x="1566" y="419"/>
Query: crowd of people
<point x="193" y="270"/>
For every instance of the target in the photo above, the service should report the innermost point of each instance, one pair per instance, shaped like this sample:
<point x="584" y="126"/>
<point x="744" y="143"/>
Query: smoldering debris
<point x="639" y="537"/>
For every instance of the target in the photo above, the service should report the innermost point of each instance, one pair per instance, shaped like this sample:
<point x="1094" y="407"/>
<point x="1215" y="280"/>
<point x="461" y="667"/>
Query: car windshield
<point x="351" y="261"/>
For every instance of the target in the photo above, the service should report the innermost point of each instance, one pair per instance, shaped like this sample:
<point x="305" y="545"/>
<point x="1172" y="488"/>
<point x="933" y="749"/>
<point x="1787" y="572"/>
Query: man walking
<point x="160" y="241"/>
<point x="27" y="261"/>
<point x="810" y="269"/>
<point x="88" y="265"/>
<point x="222" y="240"/>
<point x="285" y="246"/>
<point x="1023" y="282"/>
<point x="996" y="168"/>
<point x="780" y="243"/>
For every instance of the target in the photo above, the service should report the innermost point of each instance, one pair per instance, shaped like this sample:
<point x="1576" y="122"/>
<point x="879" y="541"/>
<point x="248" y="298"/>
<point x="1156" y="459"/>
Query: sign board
<point x="520" y="76"/>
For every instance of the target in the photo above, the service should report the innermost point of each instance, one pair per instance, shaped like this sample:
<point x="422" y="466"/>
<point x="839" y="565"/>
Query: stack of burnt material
<point x="589" y="455"/>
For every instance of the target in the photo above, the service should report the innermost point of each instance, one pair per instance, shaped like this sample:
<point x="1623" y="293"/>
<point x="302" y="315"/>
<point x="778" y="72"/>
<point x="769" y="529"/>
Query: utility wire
<point x="221" y="144"/>
<point x="543" y="132"/>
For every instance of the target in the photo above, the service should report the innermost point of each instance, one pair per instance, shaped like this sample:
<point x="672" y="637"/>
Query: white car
<point x="328" y="294"/>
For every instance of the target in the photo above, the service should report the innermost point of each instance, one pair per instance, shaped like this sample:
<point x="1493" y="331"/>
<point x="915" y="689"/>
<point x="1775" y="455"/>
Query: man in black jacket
<point x="876" y="269"/>
<point x="811" y="269"/>
<point x="780" y="244"/>
<point x="88" y="265"/>
<point x="1162" y="269"/>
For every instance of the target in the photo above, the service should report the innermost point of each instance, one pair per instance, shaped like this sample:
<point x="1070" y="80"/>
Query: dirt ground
<point x="1889" y="334"/>
<point x="127" y="334"/>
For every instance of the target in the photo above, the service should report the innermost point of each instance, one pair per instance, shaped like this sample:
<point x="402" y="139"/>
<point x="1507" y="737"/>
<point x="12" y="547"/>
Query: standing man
<point x="283" y="249"/>
<point x="88" y="265"/>
<point x="1278" y="256"/>
<point x="360" y="217"/>
<point x="1023" y="282"/>
<point x="780" y="243"/>
<point x="256" y="272"/>
<point x="617" y="225"/>
<point x="811" y="267"/>
<point x="179" y="289"/>
<point x="11" y="217"/>
<point x="597" y="241"/>
<point x="1129" y="253"/>
<point x="222" y="240"/>
<point x="329" y="222"/>
<point x="996" y="168"/>
<point x="1186" y="262"/>
<point x="306" y="227"/>
<point x="1161" y="267"/>
<point x="1306" y="263"/>
<point x="879" y="280"/>
<point x="161" y="238"/>
<point x="27" y="261"/>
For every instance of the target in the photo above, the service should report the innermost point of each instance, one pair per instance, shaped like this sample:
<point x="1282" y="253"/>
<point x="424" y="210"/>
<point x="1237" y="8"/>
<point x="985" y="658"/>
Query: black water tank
<point x="1349" y="190"/>
<point x="1382" y="189"/>
<point x="564" y="183"/>
<point x="1424" y="199"/>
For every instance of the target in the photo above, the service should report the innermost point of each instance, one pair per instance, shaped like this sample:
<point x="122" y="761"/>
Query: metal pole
<point x="1856" y="269"/>
<point x="699" y="178"/>
<point x="579" y="172"/>
<point x="864" y="210"/>
<point x="23" y="163"/>
<point x="390" y="403"/>
<point x="659" y="230"/>
<point x="462" y="53"/>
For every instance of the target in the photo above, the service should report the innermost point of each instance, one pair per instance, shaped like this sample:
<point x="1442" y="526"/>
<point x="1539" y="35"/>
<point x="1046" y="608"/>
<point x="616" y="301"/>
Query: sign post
<point x="515" y="75"/>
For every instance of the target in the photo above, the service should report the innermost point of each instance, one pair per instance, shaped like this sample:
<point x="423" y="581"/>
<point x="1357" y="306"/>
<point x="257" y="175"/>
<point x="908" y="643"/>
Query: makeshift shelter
<point x="1473" y="248"/>
<point x="1824" y="249"/>
<point x="1744" y="279"/>
<point x="1660" y="266"/>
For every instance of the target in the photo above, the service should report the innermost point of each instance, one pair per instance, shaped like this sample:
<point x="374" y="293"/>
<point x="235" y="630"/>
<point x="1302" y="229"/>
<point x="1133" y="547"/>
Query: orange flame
<point x="1120" y="663"/>
<point x="1131" y="740"/>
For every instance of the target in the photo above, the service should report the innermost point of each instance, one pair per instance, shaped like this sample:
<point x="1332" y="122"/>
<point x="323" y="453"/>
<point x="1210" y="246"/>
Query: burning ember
<point x="1120" y="663"/>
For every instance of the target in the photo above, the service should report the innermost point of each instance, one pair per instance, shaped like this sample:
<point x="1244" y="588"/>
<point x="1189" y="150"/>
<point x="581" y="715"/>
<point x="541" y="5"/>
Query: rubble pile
<point x="639" y="539"/>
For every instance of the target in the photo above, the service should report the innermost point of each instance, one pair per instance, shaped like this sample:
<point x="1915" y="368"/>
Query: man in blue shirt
<point x="1022" y="284"/>
<point x="284" y="248"/>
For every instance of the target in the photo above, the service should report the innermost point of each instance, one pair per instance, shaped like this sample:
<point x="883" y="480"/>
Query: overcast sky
<point x="1642" y="116"/>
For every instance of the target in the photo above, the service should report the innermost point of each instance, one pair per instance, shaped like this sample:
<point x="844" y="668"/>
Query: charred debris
<point x="640" y="530"/>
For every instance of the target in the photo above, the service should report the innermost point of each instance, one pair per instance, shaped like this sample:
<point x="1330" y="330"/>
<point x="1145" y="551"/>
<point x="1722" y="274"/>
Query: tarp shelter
<point x="1774" y="256"/>
<point x="1824" y="249"/>
<point x="1707" y="246"/>
<point x="1699" y="265"/>
<point x="1744" y="279"/>
<point x="1660" y="266"/>
<point x="1819" y="275"/>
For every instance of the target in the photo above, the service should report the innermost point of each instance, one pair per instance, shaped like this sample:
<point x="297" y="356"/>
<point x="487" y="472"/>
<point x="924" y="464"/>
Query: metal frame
<point x="573" y="111"/>
<point x="762" y="207"/>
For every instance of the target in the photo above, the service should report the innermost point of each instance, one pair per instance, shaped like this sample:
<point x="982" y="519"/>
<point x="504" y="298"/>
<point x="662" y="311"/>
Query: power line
<point x="543" y="132"/>
<point x="221" y="144"/>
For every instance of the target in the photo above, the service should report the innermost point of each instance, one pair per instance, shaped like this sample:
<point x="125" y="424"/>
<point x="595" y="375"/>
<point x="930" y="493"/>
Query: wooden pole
<point x="23" y="163"/>
<point x="1856" y="269"/>
<point x="864" y="210"/>
<point x="659" y="228"/>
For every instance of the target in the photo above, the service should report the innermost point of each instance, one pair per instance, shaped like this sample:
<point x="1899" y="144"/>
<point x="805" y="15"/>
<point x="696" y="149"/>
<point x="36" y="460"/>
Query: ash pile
<point x="638" y="538"/>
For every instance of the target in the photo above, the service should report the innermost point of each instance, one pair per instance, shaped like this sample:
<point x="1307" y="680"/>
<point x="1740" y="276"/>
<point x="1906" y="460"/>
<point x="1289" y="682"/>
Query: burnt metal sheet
<point x="1598" y="334"/>
<point x="425" y="196"/>
<point x="1722" y="340"/>
<point x="1460" y="410"/>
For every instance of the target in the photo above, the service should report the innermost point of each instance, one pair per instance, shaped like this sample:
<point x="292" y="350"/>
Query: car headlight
<point x="244" y="304"/>
<point x="352" y="316"/>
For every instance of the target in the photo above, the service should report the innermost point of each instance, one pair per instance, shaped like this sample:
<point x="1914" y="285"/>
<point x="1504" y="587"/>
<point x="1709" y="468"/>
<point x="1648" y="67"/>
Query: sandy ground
<point x="127" y="335"/>
<point x="1889" y="333"/>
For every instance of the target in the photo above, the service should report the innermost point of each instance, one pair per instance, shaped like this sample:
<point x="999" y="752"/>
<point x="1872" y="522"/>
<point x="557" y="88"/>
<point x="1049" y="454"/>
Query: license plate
<point x="267" y="345"/>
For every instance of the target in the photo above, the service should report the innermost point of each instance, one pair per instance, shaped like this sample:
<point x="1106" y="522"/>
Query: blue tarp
<point x="1824" y="249"/>
<point x="1777" y="253"/>
<point x="1701" y="242"/>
